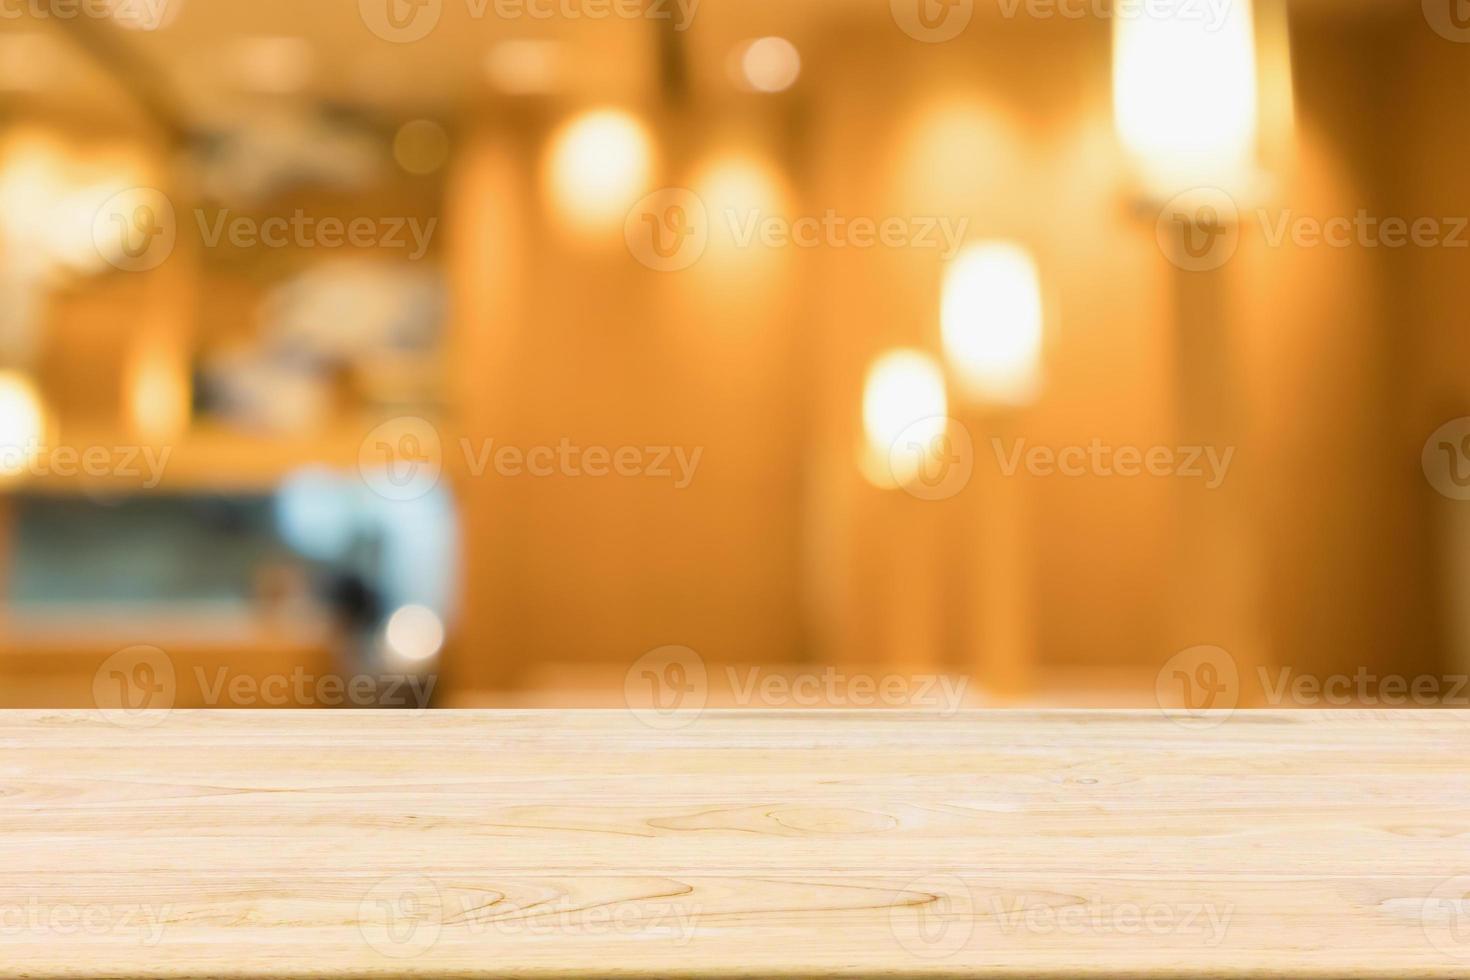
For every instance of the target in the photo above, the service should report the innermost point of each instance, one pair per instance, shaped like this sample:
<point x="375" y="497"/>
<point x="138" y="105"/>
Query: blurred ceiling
<point x="218" y="59"/>
<point x="214" y="54"/>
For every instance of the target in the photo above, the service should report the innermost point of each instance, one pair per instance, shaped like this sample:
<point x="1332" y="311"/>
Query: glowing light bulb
<point x="1184" y="94"/>
<point x="22" y="424"/>
<point x="598" y="166"/>
<point x="413" y="633"/>
<point x="905" y="409"/>
<point x="991" y="321"/>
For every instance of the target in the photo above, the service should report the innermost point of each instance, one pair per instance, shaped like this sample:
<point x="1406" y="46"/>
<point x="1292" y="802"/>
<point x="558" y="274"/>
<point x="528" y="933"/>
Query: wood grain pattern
<point x="457" y="844"/>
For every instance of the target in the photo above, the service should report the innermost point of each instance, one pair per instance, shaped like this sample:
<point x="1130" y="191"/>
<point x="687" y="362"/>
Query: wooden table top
<point x="457" y="844"/>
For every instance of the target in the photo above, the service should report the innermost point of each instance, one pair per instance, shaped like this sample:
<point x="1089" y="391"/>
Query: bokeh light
<point x="413" y="634"/>
<point x="770" y="64"/>
<point x="600" y="163"/>
<point x="991" y="322"/>
<point x="905" y="399"/>
<point x="421" y="146"/>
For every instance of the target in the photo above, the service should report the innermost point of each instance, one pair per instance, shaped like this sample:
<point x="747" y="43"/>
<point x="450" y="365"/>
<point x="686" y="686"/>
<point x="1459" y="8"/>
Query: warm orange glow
<point x="523" y="67"/>
<point x="50" y="198"/>
<point x="965" y="157"/>
<point x="904" y="401"/>
<point x="991" y="320"/>
<point x="600" y="164"/>
<point x="158" y="394"/>
<point x="22" y="424"/>
<point x="1184" y="94"/>
<point x="737" y="190"/>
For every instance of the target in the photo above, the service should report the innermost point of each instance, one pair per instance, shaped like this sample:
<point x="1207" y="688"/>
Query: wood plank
<point x="526" y="843"/>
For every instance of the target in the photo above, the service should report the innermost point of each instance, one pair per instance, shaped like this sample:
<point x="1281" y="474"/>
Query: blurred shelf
<point x="207" y="459"/>
<point x="199" y="627"/>
<point x="51" y="655"/>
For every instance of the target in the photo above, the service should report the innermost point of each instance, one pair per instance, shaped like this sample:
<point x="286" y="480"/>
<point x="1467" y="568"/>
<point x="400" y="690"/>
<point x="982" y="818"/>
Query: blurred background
<point x="768" y="354"/>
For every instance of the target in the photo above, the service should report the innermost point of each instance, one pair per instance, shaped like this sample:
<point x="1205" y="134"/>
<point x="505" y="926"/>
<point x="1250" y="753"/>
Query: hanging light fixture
<point x="1185" y="94"/>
